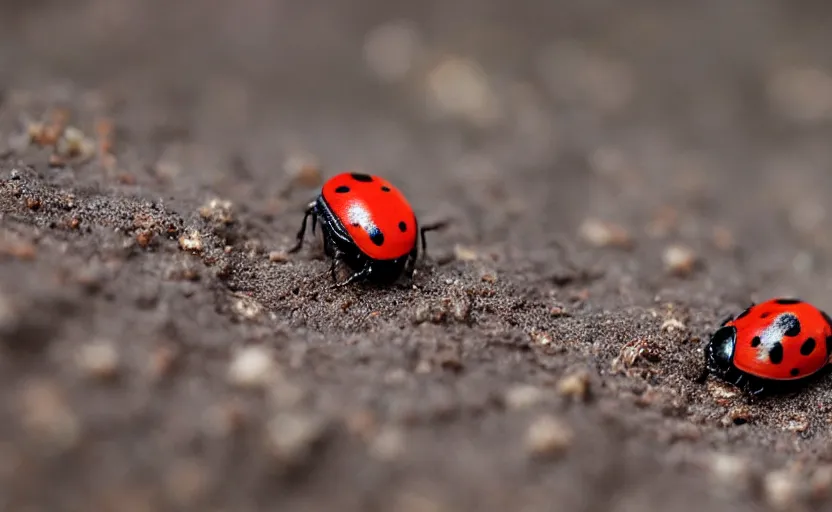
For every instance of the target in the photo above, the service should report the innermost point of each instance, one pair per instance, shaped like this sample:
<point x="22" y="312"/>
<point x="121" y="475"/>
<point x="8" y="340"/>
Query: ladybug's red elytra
<point x="777" y="340"/>
<point x="368" y="224"/>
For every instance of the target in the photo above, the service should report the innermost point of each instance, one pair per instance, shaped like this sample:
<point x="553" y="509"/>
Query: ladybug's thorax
<point x="719" y="353"/>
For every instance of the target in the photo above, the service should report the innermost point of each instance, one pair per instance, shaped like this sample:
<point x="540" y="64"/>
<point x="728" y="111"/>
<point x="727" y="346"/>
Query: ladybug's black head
<point x="719" y="353"/>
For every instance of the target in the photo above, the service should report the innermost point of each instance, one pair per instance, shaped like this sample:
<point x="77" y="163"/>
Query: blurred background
<point x="651" y="102"/>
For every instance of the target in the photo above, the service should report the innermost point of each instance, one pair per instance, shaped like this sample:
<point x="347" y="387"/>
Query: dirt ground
<point x="618" y="178"/>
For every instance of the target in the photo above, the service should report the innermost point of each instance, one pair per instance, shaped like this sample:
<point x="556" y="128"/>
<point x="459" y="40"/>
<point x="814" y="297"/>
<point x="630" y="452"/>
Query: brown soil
<point x="618" y="177"/>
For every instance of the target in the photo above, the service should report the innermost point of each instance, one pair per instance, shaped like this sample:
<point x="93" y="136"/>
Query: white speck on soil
<point x="575" y="385"/>
<point x="523" y="396"/>
<point x="782" y="490"/>
<point x="548" y="436"/>
<point x="388" y="444"/>
<point x="252" y="367"/>
<point x="99" y="359"/>
<point x="192" y="241"/>
<point x="679" y="260"/>
<point x="291" y="436"/>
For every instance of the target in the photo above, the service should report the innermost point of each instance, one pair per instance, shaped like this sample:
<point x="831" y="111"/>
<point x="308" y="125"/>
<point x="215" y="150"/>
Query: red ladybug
<point x="369" y="225"/>
<point x="777" y="340"/>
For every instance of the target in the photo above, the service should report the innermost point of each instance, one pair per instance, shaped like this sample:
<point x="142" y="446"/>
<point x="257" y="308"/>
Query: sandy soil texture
<point x="618" y="177"/>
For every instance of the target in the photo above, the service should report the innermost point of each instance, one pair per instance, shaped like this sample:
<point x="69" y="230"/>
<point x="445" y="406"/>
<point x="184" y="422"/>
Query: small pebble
<point x="782" y="490"/>
<point x="423" y="366"/>
<point x="291" y="436"/>
<point x="461" y="309"/>
<point x="388" y="444"/>
<point x="391" y="49"/>
<point x="33" y="203"/>
<point x="252" y="367"/>
<point x="48" y="417"/>
<point x="144" y="238"/>
<point x="540" y="338"/>
<point x="604" y="234"/>
<point x="489" y="277"/>
<point x="801" y="93"/>
<point x="730" y="473"/>
<point x="217" y="210"/>
<point x="575" y="385"/>
<point x="523" y="396"/>
<point x="191" y="242"/>
<point x="722" y="390"/>
<point x="672" y="324"/>
<point x="679" y="260"/>
<point x="558" y="311"/>
<point x="548" y="436"/>
<point x="278" y="257"/>
<point x="246" y="307"/>
<point x="459" y="87"/>
<point x="797" y="423"/>
<point x="99" y="359"/>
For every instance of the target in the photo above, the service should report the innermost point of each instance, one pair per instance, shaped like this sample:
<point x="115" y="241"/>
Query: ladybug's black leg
<point x="310" y="210"/>
<point x="335" y="259"/>
<point x="757" y="388"/>
<point x="410" y="266"/>
<point x="425" y="229"/>
<point x="361" y="275"/>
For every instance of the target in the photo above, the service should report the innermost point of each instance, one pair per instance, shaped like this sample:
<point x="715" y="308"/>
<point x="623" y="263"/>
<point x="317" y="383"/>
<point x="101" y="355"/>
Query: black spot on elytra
<point x="355" y="224"/>
<point x="342" y="189"/>
<point x="364" y="178"/>
<point x="765" y="315"/>
<point x="377" y="237"/>
<point x="791" y="325"/>
<point x="775" y="355"/>
<point x="808" y="347"/>
<point x="744" y="313"/>
<point x="755" y="342"/>
<point x="385" y="189"/>
<point x="402" y="227"/>
<point x="786" y="302"/>
<point x="793" y="372"/>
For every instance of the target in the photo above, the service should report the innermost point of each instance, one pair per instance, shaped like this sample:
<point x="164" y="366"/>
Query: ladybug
<point x="775" y="341"/>
<point x="368" y="224"/>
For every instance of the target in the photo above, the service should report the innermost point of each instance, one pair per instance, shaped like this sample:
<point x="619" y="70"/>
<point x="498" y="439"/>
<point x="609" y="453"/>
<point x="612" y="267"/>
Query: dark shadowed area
<point x="618" y="177"/>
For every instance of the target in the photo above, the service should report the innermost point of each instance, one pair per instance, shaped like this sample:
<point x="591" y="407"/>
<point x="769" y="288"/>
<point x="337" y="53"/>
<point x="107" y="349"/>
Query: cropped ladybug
<point x="368" y="224"/>
<point x="774" y="341"/>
